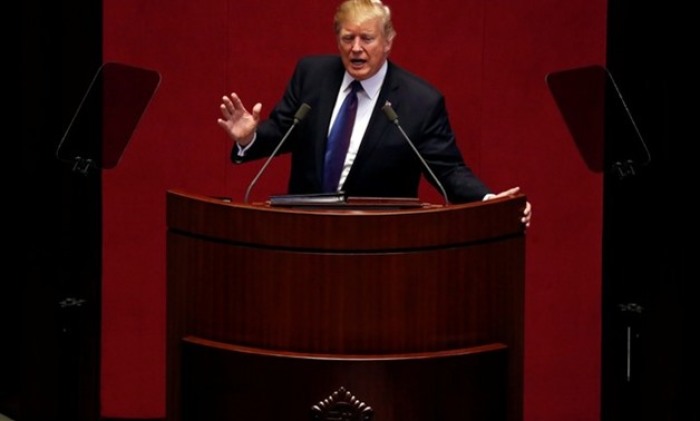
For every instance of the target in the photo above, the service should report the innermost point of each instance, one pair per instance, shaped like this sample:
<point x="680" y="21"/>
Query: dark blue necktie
<point x="339" y="139"/>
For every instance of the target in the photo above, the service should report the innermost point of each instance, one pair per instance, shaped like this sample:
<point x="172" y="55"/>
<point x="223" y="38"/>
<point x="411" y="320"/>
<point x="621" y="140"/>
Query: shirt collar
<point x="372" y="85"/>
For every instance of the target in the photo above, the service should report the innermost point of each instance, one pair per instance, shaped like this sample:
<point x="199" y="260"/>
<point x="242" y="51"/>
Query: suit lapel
<point x="329" y="92"/>
<point x="379" y="125"/>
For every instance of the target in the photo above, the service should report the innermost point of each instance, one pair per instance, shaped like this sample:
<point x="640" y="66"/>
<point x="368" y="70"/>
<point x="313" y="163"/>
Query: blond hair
<point x="362" y="10"/>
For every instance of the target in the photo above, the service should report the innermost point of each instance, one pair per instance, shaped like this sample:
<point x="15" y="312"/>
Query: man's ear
<point x="388" y="45"/>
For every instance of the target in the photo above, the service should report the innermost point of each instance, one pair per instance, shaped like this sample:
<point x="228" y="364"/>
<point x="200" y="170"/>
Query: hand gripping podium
<point x="344" y="313"/>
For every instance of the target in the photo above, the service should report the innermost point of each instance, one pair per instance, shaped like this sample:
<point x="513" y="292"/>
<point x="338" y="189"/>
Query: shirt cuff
<point x="242" y="149"/>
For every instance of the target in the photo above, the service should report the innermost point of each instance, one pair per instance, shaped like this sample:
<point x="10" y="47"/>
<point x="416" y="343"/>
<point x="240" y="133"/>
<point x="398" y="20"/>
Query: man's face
<point x="363" y="47"/>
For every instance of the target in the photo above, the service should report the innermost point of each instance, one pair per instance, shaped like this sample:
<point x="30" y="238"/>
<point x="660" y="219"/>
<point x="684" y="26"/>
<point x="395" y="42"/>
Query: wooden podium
<point x="388" y="314"/>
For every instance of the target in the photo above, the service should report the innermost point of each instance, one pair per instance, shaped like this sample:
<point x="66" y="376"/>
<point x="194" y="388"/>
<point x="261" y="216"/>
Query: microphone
<point x="298" y="116"/>
<point x="394" y="118"/>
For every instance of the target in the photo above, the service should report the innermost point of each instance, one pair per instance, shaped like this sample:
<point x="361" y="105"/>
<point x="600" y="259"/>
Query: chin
<point x="358" y="74"/>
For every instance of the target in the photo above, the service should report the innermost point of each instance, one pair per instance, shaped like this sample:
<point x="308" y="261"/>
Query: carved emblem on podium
<point x="341" y="405"/>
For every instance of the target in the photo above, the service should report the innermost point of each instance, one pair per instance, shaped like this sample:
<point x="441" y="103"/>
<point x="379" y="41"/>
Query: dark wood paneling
<point x="345" y="283"/>
<point x="225" y="382"/>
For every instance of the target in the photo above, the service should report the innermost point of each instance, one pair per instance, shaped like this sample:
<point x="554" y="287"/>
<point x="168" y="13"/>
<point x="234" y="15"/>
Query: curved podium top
<point x="362" y="229"/>
<point x="347" y="285"/>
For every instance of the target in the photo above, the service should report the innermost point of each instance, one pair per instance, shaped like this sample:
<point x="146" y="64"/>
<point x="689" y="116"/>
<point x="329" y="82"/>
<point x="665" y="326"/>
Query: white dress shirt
<point x="366" y="100"/>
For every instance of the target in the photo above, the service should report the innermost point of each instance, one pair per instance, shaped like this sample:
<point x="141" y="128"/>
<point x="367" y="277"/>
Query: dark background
<point x="51" y="307"/>
<point x="50" y="317"/>
<point x="650" y="221"/>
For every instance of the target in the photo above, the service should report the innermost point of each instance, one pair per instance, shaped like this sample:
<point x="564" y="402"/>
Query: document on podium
<point x="341" y="200"/>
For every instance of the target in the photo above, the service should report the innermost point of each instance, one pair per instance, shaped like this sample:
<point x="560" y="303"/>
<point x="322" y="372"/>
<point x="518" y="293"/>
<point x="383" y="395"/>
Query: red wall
<point x="490" y="59"/>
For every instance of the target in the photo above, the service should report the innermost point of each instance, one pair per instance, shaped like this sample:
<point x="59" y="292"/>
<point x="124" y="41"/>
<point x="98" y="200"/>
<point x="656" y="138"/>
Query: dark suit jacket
<point x="385" y="165"/>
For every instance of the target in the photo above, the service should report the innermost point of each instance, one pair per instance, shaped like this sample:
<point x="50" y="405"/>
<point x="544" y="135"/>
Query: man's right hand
<point x="237" y="121"/>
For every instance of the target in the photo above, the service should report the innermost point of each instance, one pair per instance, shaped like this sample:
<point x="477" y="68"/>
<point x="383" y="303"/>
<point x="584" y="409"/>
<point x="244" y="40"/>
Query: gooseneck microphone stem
<point x="300" y="114"/>
<point x="394" y="118"/>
